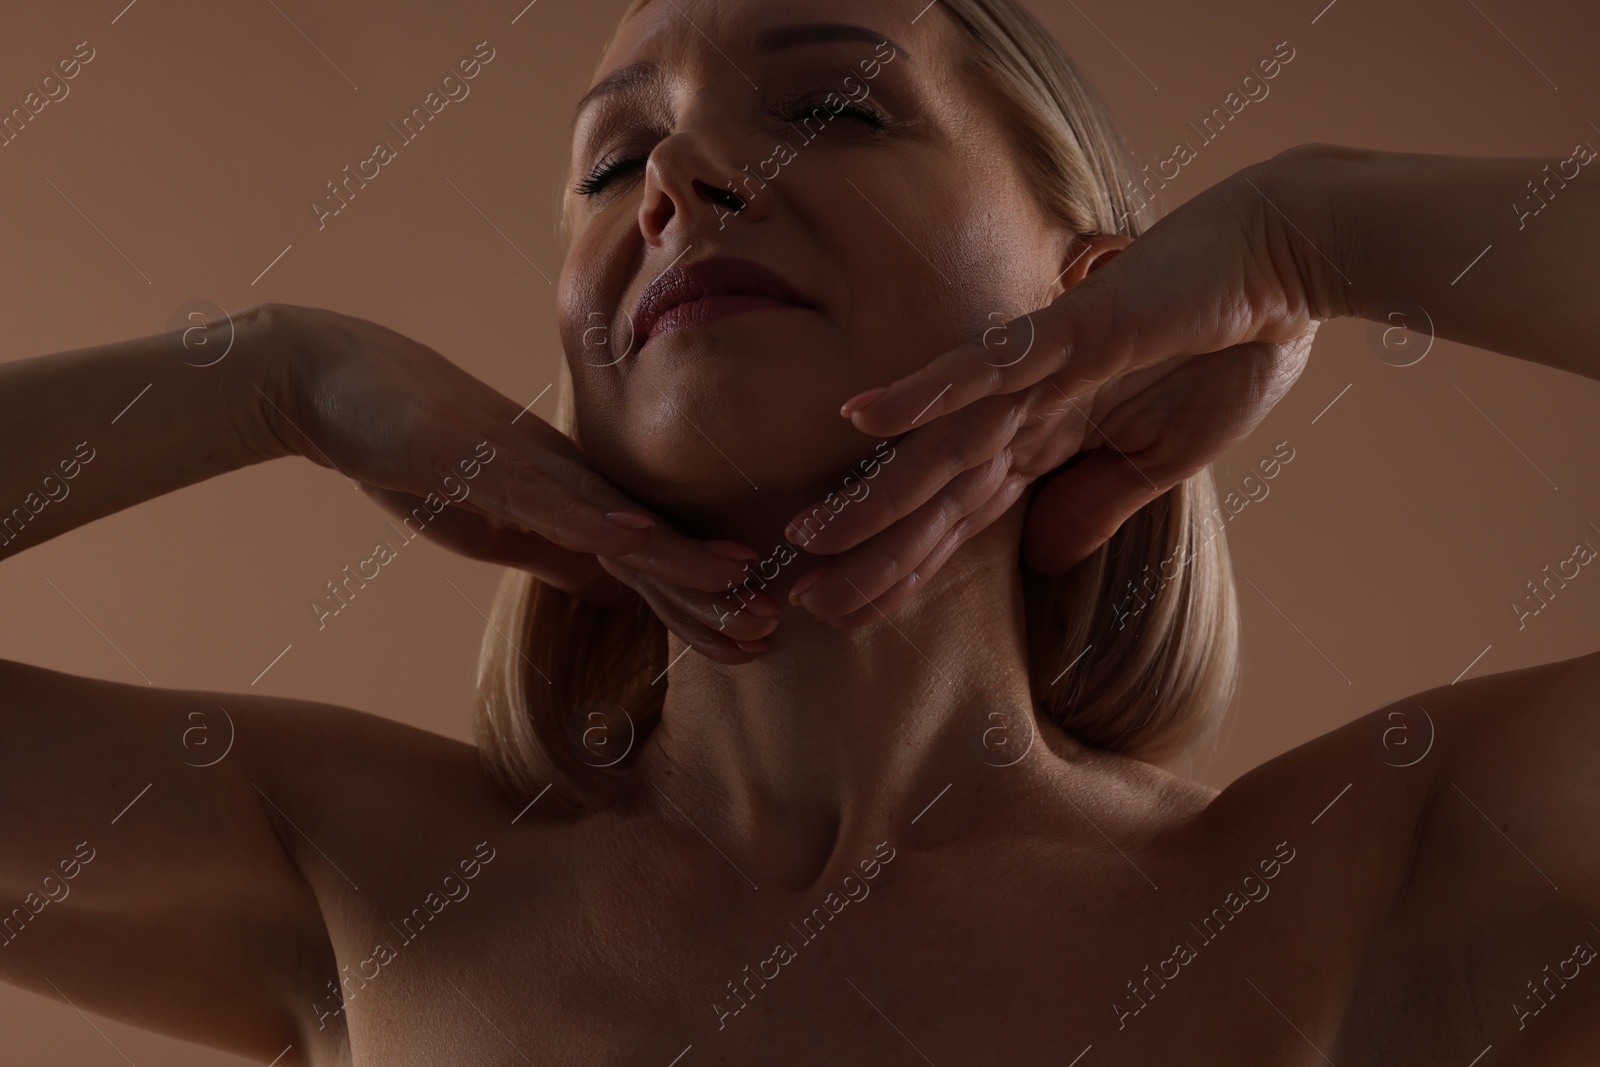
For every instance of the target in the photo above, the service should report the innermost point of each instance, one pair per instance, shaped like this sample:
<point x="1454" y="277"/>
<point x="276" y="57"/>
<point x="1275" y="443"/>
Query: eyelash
<point x="602" y="174"/>
<point x="607" y="169"/>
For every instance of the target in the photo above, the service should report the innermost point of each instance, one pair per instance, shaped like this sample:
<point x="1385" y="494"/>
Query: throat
<point x="835" y="739"/>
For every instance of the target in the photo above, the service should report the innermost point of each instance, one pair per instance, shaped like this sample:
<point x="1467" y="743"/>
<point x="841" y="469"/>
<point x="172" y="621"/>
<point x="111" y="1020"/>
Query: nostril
<point x="726" y="197"/>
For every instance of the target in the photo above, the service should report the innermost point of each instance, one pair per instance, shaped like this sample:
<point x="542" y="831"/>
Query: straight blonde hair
<point x="1146" y="689"/>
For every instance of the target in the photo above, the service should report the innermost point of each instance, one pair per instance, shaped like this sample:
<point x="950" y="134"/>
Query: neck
<point x="831" y="733"/>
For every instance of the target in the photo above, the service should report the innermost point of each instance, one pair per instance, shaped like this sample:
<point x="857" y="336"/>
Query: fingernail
<point x="630" y="520"/>
<point x="799" y="531"/>
<point x="733" y="550"/>
<point x="807" y="580"/>
<point x="763" y="605"/>
<point x="861" y="400"/>
<point x="753" y="646"/>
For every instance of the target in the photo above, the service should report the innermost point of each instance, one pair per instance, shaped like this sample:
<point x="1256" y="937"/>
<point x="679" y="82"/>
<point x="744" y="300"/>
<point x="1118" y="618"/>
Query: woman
<point x="915" y="814"/>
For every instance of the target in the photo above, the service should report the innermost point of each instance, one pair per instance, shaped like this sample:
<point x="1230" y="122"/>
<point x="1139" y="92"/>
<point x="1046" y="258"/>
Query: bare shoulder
<point x="1355" y="795"/>
<point x="336" y="765"/>
<point x="1462" y="831"/>
<point x="1497" y="925"/>
<point x="311" y="764"/>
<point x="1521" y="749"/>
<point x="1523" y="743"/>
<point x="157" y="834"/>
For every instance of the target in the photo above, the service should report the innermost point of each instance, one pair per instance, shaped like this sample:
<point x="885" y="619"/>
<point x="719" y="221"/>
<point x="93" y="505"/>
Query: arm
<point x="141" y="880"/>
<point x="75" y="450"/>
<point x="83" y="434"/>
<point x="1491" y="937"/>
<point x="1145" y="370"/>
<point x="144" y="874"/>
<point x="1497" y="923"/>
<point x="1407" y="227"/>
<point x="138" y="878"/>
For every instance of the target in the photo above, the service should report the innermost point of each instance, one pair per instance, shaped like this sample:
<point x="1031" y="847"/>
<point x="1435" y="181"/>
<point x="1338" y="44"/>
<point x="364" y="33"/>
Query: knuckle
<point x="879" y="571"/>
<point x="952" y="453"/>
<point x="519" y="482"/>
<point x="591" y="486"/>
<point x="993" y="470"/>
<point x="528" y="488"/>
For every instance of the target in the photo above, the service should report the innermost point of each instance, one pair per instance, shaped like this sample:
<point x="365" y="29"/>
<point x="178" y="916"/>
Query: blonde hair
<point x="1146" y="689"/>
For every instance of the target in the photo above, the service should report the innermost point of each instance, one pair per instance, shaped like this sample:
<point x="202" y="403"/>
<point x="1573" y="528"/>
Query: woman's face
<point x="876" y="183"/>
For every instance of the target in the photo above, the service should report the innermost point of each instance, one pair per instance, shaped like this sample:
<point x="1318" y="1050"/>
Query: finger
<point x="480" y="537"/>
<point x="1010" y="490"/>
<point x="535" y="477"/>
<point x="600" y="588"/>
<point x="1078" y="510"/>
<point x="863" y="573"/>
<point x="702" y="638"/>
<point x="924" y="462"/>
<point x="570" y="507"/>
<point x="739" y="622"/>
<point x="708" y="566"/>
<point x="556" y="498"/>
<point x="574" y="573"/>
<point x="1079" y="330"/>
<point x="1163" y="434"/>
<point x="742" y="616"/>
<point x="666" y="554"/>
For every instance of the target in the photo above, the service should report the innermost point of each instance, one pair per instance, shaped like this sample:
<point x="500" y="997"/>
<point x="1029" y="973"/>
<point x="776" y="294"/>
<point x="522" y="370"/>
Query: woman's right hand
<point x="1137" y="376"/>
<point x="406" y="424"/>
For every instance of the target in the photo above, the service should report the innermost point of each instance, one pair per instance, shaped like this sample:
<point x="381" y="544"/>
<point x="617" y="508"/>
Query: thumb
<point x="1079" y="509"/>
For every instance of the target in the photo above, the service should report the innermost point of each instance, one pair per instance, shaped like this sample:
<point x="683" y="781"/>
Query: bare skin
<point x="1386" y="891"/>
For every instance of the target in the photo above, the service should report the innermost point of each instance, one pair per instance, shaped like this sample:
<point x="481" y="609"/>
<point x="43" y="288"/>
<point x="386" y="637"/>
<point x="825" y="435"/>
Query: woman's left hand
<point x="1151" y="366"/>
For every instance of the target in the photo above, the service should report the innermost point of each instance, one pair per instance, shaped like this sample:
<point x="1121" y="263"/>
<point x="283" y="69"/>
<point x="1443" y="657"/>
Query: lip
<point x="693" y="294"/>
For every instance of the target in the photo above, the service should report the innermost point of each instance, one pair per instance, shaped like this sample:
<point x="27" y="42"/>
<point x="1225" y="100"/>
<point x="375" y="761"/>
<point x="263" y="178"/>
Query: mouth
<point x="694" y="294"/>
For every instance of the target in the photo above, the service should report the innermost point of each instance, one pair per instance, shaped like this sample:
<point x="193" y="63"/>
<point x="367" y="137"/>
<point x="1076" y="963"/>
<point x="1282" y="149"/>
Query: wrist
<point x="1312" y="189"/>
<point x="262" y="380"/>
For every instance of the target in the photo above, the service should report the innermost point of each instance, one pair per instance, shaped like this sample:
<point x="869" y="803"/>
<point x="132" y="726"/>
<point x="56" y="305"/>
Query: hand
<point x="1150" y="366"/>
<point x="414" y="430"/>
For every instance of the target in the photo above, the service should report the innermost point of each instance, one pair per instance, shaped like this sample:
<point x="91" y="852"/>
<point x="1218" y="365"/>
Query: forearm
<point x="89" y="432"/>
<point x="1496" y="262"/>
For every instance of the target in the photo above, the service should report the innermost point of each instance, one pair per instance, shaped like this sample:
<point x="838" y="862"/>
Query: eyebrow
<point x="822" y="33"/>
<point x="643" y="73"/>
<point x="634" y="75"/>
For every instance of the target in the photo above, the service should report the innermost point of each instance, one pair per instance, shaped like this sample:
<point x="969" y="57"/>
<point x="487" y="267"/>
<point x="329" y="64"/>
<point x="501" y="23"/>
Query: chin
<point x="721" y="437"/>
<point x="748" y="486"/>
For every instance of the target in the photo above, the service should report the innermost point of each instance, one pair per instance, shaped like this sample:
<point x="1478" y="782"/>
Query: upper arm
<point x="141" y="876"/>
<point x="1505" y="889"/>
<point x="1519" y="753"/>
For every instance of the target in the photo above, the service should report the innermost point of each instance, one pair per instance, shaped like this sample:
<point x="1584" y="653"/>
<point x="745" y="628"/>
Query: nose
<point x="687" y="178"/>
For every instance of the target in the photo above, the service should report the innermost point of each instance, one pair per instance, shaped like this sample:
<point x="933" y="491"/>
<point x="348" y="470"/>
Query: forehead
<point x="669" y="30"/>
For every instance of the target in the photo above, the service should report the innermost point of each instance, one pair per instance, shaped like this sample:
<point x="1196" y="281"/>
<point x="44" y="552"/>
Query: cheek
<point x="957" y="261"/>
<point x="595" y="329"/>
<point x="999" y="245"/>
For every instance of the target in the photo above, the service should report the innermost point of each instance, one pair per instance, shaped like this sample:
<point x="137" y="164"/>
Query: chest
<point x="1004" y="956"/>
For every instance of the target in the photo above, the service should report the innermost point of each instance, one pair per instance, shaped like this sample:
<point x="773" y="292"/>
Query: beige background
<point x="1383" y="561"/>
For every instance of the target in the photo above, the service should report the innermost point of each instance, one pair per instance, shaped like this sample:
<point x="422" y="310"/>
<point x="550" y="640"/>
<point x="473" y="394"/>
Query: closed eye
<point x="814" y="106"/>
<point x="811" y="106"/>
<point x="605" y="171"/>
